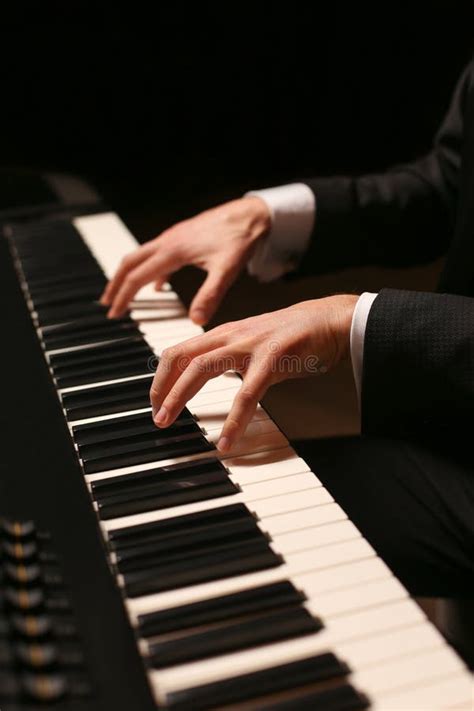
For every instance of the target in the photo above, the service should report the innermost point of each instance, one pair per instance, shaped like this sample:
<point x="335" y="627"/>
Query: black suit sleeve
<point x="398" y="218"/>
<point x="418" y="372"/>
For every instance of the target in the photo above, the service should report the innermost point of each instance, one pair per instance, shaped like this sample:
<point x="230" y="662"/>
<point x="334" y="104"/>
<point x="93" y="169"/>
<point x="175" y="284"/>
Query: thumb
<point x="208" y="298"/>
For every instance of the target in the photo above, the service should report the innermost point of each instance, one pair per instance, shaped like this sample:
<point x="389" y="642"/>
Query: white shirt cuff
<point x="358" y="326"/>
<point x="293" y="209"/>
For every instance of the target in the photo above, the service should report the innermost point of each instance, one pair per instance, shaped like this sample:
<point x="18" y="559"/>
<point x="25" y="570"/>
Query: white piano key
<point x="314" y="536"/>
<point x="109" y="240"/>
<point x="453" y="692"/>
<point x="410" y="669"/>
<point x="336" y="602"/>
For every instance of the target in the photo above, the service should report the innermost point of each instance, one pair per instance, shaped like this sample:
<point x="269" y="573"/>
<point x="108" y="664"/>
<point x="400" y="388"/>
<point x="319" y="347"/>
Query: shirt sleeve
<point x="358" y="326"/>
<point x="293" y="211"/>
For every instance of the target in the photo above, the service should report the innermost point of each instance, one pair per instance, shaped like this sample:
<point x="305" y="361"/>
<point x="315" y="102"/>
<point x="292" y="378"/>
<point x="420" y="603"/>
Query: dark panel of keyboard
<point x="40" y="480"/>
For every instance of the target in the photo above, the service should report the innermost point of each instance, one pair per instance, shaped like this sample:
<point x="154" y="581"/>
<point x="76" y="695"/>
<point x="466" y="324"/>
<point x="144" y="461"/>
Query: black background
<point x="169" y="108"/>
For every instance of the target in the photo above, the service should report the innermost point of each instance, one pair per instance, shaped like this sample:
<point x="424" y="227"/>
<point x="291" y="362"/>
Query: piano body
<point x="142" y="569"/>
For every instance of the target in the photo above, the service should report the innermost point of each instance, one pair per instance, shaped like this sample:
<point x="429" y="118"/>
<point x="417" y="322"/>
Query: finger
<point x="175" y="360"/>
<point x="243" y="409"/>
<point x="211" y="293"/>
<point x="201" y="369"/>
<point x="159" y="283"/>
<point x="148" y="271"/>
<point x="129" y="262"/>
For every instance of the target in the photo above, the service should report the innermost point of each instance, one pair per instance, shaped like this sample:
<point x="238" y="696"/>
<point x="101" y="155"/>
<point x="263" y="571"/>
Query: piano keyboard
<point x="245" y="583"/>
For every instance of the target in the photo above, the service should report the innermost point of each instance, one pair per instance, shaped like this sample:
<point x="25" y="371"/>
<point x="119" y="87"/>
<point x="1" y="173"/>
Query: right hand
<point x="220" y="241"/>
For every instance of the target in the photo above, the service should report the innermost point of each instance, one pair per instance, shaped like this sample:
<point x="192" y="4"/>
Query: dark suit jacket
<point x="419" y="348"/>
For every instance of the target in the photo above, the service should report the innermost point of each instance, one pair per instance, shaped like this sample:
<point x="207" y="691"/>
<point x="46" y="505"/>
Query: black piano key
<point x="86" y="275"/>
<point x="124" y="426"/>
<point x="120" y="538"/>
<point x="87" y="353"/>
<point x="147" y="557"/>
<point x="246" y="558"/>
<point x="109" y="370"/>
<point x="240" y="529"/>
<point x="157" y="487"/>
<point x="159" y="440"/>
<point x="54" y="297"/>
<point x="108" y="333"/>
<point x="155" y="502"/>
<point x="340" y="698"/>
<point x="104" y="394"/>
<point x="131" y="436"/>
<point x="284" y="677"/>
<point x="89" y="362"/>
<point x="54" y="315"/>
<point x="170" y="472"/>
<point x="124" y="370"/>
<point x="152" y="450"/>
<point x="260" y="630"/>
<point x="218" y="609"/>
<point x="110" y="408"/>
<point x="81" y="323"/>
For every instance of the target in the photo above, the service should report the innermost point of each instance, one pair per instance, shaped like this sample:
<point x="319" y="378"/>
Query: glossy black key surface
<point x="260" y="683"/>
<point x="341" y="698"/>
<point x="88" y="361"/>
<point x="245" y="558"/>
<point x="125" y="426"/>
<point x="87" y="353"/>
<point x="81" y="323"/>
<point x="127" y="369"/>
<point x="185" y="545"/>
<point x="143" y="558"/>
<point x="149" y="501"/>
<point x="107" y="331"/>
<point x="259" y="630"/>
<point x="87" y="275"/>
<point x="147" y="450"/>
<point x="136" y="363"/>
<point x="53" y="315"/>
<point x="217" y="609"/>
<point x="169" y="472"/>
<point x="132" y="437"/>
<point x="107" y="393"/>
<point x="131" y="535"/>
<point x="55" y="297"/>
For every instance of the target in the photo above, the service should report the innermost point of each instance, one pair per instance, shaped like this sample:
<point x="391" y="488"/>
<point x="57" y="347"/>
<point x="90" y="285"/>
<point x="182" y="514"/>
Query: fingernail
<point x="224" y="444"/>
<point x="161" y="415"/>
<point x="199" y="317"/>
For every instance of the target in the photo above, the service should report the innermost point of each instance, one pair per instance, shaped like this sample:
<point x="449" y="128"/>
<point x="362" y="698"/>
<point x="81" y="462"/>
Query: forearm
<point x="418" y="364"/>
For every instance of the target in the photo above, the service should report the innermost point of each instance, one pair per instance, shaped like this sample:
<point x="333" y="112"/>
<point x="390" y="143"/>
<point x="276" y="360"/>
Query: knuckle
<point x="247" y="395"/>
<point x="201" y="363"/>
<point x="170" y="354"/>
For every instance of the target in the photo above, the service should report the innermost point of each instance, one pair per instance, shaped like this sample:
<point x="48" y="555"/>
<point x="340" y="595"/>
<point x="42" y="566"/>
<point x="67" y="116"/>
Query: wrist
<point x="258" y="215"/>
<point x="344" y="305"/>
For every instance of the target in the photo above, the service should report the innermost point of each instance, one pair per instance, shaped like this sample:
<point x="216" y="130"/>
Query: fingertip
<point x="199" y="317"/>
<point x="224" y="444"/>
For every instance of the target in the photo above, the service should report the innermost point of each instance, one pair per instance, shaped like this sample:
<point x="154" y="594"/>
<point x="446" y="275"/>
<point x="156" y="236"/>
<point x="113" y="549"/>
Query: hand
<point x="220" y="241"/>
<point x="310" y="337"/>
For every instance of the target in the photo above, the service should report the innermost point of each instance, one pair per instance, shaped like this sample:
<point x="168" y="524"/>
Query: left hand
<point x="307" y="338"/>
